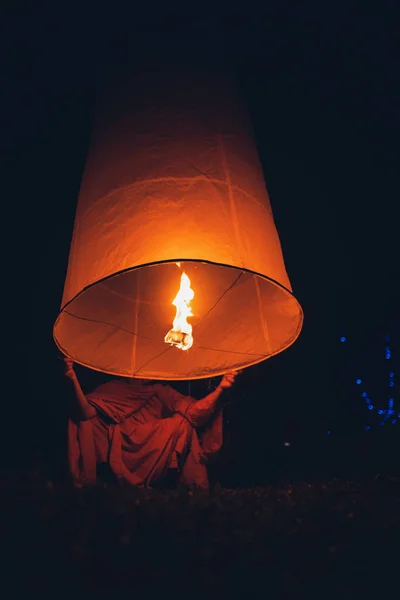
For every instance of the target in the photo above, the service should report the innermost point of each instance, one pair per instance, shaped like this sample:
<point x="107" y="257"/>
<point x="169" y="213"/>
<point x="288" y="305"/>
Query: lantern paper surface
<point x="173" y="176"/>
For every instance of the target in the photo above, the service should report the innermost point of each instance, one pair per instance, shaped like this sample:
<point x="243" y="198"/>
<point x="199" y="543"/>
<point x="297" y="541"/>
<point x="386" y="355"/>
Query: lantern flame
<point x="181" y="333"/>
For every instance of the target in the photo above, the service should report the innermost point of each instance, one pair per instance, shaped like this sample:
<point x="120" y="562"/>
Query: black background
<point x="321" y="84"/>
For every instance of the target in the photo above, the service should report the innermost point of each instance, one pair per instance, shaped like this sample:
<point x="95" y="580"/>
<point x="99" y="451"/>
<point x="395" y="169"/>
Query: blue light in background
<point x="388" y="413"/>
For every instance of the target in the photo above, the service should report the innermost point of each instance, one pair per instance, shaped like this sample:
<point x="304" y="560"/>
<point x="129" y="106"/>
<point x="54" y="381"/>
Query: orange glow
<point x="172" y="178"/>
<point x="181" y="333"/>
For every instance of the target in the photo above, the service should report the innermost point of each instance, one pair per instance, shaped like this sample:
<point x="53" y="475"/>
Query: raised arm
<point x="201" y="411"/>
<point x="84" y="410"/>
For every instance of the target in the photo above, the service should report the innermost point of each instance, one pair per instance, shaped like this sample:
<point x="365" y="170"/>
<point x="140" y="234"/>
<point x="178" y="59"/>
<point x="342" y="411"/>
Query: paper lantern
<point x="173" y="176"/>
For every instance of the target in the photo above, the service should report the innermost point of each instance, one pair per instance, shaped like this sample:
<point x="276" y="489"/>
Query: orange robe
<point x="143" y="430"/>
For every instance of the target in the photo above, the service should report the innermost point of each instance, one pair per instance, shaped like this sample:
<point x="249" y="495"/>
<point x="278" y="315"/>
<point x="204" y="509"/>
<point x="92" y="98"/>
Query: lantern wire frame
<point x="136" y="373"/>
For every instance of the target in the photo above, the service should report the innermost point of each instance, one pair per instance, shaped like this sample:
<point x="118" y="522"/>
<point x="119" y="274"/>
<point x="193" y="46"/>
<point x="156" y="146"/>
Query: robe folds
<point x="141" y="431"/>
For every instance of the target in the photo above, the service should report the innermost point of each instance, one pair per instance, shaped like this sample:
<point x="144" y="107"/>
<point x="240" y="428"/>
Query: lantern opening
<point x="117" y="325"/>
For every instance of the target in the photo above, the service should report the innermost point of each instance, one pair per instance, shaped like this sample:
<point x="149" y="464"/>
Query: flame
<point x="181" y="333"/>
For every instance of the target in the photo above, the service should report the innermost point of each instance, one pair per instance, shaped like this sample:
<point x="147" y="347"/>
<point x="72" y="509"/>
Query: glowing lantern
<point x="173" y="176"/>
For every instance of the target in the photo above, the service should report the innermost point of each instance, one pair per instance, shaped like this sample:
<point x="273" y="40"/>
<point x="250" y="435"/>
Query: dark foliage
<point x="328" y="537"/>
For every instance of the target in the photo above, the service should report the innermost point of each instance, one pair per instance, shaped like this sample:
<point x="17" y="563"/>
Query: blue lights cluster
<point x="389" y="413"/>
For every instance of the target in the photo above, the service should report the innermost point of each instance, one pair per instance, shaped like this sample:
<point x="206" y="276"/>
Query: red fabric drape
<point x="141" y="431"/>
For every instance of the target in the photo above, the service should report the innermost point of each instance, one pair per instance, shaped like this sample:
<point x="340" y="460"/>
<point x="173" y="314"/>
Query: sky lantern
<point x="175" y="269"/>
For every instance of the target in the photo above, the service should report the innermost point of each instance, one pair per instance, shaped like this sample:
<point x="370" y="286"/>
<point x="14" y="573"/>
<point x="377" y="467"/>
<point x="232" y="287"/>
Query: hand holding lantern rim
<point x="225" y="383"/>
<point x="228" y="380"/>
<point x="69" y="367"/>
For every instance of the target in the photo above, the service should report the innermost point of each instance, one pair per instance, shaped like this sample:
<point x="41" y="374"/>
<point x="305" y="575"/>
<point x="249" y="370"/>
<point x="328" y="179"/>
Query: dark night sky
<point x="322" y="88"/>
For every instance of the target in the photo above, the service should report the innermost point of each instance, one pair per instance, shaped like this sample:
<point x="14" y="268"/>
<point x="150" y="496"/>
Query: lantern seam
<point x="175" y="179"/>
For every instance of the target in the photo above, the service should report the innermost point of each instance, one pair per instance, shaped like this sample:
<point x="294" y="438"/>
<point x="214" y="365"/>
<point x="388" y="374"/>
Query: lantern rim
<point x="276" y="283"/>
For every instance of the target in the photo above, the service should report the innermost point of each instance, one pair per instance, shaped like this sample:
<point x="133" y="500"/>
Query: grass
<point x="326" y="537"/>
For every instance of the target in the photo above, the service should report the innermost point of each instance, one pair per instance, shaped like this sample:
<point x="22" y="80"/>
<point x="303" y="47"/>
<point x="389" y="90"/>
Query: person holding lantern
<point x="144" y="431"/>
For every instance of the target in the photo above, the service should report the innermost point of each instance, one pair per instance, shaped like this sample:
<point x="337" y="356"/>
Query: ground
<point x="317" y="537"/>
